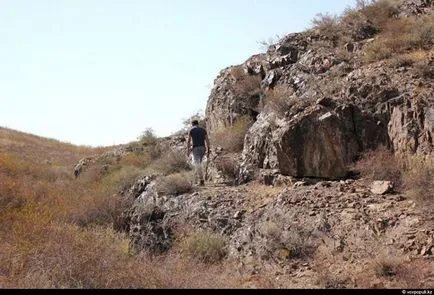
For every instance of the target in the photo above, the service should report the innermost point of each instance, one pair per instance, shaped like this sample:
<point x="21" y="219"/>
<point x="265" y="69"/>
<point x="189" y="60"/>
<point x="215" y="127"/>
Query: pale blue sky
<point x="99" y="72"/>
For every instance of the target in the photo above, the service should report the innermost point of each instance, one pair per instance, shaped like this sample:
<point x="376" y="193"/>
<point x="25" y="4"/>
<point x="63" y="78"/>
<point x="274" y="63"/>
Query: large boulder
<point x="318" y="142"/>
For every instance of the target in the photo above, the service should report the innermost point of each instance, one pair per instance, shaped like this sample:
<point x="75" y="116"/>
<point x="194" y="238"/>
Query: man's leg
<point x="198" y="153"/>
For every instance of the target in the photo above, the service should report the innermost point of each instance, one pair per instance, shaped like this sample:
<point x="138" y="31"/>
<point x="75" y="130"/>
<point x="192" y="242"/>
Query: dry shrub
<point x="380" y="164"/>
<point x="379" y="12"/>
<point x="205" y="246"/>
<point x="177" y="271"/>
<point x="386" y="265"/>
<point x="423" y="30"/>
<point x="123" y="177"/>
<point x="287" y="244"/>
<point x="401" y="35"/>
<point x="271" y="41"/>
<point x="245" y="85"/>
<point x="175" y="184"/>
<point x="279" y="100"/>
<point x="298" y="243"/>
<point x="377" y="50"/>
<point x="330" y="280"/>
<point x="139" y="160"/>
<point x="231" y="138"/>
<point x="419" y="181"/>
<point x="327" y="24"/>
<point x="171" y="161"/>
<point x="228" y="166"/>
<point x="99" y="211"/>
<point x="408" y="59"/>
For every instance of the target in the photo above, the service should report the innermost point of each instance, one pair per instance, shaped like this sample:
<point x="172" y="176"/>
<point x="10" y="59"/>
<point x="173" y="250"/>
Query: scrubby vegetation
<point x="411" y="174"/>
<point x="231" y="138"/>
<point x="56" y="231"/>
<point x="204" y="246"/>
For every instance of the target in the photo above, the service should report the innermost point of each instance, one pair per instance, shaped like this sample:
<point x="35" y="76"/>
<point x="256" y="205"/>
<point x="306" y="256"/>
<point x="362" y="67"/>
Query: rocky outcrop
<point x="411" y="128"/>
<point x="153" y="218"/>
<point x="383" y="103"/>
<point x="318" y="142"/>
<point x="281" y="229"/>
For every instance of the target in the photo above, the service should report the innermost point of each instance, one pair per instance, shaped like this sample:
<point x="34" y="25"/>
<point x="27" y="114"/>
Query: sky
<point x="100" y="72"/>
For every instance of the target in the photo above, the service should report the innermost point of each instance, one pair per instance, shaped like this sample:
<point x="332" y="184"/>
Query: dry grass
<point x="408" y="59"/>
<point x="171" y="161"/>
<point x="419" y="182"/>
<point x="205" y="246"/>
<point x="136" y="159"/>
<point x="400" y="36"/>
<point x="55" y="231"/>
<point x="378" y="13"/>
<point x="295" y="243"/>
<point x="231" y="138"/>
<point x="175" y="184"/>
<point x="380" y="164"/>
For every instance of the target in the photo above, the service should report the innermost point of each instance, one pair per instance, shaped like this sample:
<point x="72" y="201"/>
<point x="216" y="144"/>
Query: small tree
<point x="148" y="137"/>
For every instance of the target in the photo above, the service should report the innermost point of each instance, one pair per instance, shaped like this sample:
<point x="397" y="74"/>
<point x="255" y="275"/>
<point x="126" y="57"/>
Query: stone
<point x="380" y="187"/>
<point x="300" y="183"/>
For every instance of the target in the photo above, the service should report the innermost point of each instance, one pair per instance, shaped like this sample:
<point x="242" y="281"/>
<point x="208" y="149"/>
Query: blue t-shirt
<point x="198" y="135"/>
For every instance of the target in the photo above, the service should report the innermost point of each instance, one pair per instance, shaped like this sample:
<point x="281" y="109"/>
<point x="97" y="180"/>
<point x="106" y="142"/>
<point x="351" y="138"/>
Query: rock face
<point x="153" y="218"/>
<point x="342" y="106"/>
<point x="411" y="128"/>
<point x="318" y="142"/>
<point x="226" y="103"/>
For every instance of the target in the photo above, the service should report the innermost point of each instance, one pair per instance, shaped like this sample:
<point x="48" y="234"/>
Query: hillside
<point x="321" y="175"/>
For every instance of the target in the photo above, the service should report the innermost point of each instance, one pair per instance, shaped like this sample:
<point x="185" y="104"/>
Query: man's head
<point x="194" y="122"/>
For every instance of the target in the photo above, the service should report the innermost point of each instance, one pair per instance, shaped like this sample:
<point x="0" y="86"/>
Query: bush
<point x="377" y="50"/>
<point x="295" y="243"/>
<point x="386" y="266"/>
<point x="148" y="137"/>
<point x="379" y="12"/>
<point x="136" y="159"/>
<point x="279" y="100"/>
<point x="175" y="184"/>
<point x="419" y="182"/>
<point x="327" y="24"/>
<point x="171" y="161"/>
<point x="231" y="138"/>
<point x="204" y="246"/>
<point x="122" y="177"/>
<point x="380" y="164"/>
<point x="228" y="167"/>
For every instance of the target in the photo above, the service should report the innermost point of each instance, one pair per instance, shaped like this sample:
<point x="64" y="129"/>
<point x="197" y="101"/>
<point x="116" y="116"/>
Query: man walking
<point x="199" y="137"/>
